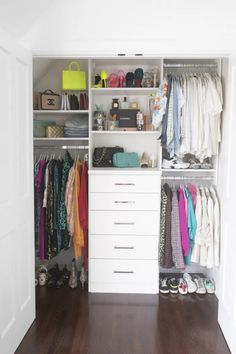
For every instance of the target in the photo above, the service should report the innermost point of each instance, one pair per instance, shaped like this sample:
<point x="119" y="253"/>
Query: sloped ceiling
<point x="17" y="17"/>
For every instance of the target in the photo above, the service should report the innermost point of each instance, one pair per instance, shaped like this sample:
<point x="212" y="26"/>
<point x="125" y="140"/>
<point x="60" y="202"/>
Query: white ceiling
<point x="18" y="16"/>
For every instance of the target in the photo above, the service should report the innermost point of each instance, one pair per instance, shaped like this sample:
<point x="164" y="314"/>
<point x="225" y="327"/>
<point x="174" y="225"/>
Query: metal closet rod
<point x="209" y="178"/>
<point x="63" y="147"/>
<point x="190" y="65"/>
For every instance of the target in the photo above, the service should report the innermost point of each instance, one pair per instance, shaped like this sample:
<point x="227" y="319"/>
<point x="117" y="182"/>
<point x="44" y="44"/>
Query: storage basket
<point x="40" y="128"/>
<point x="55" y="131"/>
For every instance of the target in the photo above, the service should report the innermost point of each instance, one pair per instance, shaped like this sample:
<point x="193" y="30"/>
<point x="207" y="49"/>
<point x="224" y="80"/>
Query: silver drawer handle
<point x="124" y="184"/>
<point x="124" y="202"/>
<point x="123" y="271"/>
<point x="123" y="247"/>
<point x="124" y="223"/>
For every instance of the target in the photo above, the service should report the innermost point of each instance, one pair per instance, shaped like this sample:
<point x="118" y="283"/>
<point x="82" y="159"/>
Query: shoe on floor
<point x="209" y="285"/>
<point x="192" y="287"/>
<point x="182" y="287"/>
<point x="173" y="285"/>
<point x="163" y="287"/>
<point x="200" y="284"/>
<point x="175" y="163"/>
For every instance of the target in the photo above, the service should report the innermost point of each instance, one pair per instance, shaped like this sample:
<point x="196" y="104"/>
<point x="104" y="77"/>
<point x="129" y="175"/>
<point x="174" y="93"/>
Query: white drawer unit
<point x="123" y="276"/>
<point x="124" y="214"/>
<point x="124" y="183"/>
<point x="123" y="247"/>
<point x="124" y="201"/>
<point x="124" y="222"/>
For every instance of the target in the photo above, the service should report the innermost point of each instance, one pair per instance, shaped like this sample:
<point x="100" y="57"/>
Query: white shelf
<point x="124" y="90"/>
<point x="52" y="112"/>
<point x="117" y="170"/>
<point x="188" y="170"/>
<point x="60" y="139"/>
<point x="144" y="132"/>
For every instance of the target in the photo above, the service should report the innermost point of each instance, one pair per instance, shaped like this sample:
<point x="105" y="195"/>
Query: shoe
<point x="182" y="287"/>
<point x="163" y="287"/>
<point x="53" y="276"/>
<point x="192" y="287"/>
<point x="73" y="281"/>
<point x="173" y="285"/>
<point x="200" y="284"/>
<point x="64" y="278"/>
<point x="207" y="164"/>
<point x="209" y="285"/>
<point x="144" y="160"/>
<point x="83" y="277"/>
<point x="175" y="163"/>
<point x="42" y="275"/>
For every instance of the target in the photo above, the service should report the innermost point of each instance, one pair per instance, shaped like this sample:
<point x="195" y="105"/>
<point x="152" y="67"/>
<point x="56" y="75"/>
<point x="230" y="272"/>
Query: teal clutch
<point x="126" y="159"/>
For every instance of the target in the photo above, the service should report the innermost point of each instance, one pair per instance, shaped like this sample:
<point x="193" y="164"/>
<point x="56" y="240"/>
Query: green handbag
<point x="73" y="79"/>
<point x="126" y="159"/>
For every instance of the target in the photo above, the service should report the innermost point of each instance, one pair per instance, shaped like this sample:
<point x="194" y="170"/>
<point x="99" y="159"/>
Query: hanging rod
<point x="188" y="177"/>
<point x="63" y="147"/>
<point x="190" y="65"/>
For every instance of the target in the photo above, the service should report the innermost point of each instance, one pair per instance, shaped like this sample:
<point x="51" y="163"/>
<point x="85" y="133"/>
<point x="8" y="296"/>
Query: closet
<point x="124" y="203"/>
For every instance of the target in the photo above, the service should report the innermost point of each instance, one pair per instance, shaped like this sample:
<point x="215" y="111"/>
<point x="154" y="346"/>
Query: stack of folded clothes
<point x="76" y="127"/>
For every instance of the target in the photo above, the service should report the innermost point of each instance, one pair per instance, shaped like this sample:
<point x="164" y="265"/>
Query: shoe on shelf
<point x="144" y="162"/>
<point x="182" y="287"/>
<point x="163" y="287"/>
<point x="200" y="284"/>
<point x="192" y="287"/>
<point x="173" y="285"/>
<point x="207" y="164"/>
<point x="209" y="285"/>
<point x="175" y="163"/>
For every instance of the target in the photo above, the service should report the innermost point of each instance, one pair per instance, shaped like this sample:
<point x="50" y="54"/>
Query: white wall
<point x="150" y="26"/>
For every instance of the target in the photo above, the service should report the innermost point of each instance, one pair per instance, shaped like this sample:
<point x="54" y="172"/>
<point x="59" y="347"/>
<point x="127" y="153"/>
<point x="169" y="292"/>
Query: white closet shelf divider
<point x="62" y="112"/>
<point x="61" y="139"/>
<point x="124" y="90"/>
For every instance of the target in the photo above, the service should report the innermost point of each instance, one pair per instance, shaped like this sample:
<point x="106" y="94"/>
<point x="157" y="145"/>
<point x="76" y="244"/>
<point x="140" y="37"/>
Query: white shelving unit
<point x="61" y="112"/>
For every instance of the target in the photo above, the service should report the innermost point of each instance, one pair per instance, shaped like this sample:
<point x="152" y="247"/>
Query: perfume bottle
<point x="115" y="103"/>
<point x="124" y="104"/>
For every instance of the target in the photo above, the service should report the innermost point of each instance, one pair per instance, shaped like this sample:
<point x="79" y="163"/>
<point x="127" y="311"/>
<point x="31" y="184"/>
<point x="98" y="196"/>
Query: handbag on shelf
<point x="50" y="100"/>
<point x="55" y="131"/>
<point x="73" y="79"/>
<point x="126" y="159"/>
<point x="103" y="156"/>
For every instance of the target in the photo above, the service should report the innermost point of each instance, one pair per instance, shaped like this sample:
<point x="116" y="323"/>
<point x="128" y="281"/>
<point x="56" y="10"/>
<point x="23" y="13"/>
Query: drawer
<point x="124" y="201"/>
<point x="123" y="276"/>
<point x="124" y="222"/>
<point x="124" y="183"/>
<point x="123" y="247"/>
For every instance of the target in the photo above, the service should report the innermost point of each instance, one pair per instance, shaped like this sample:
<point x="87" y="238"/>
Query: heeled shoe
<point x="73" y="281"/>
<point x="83" y="277"/>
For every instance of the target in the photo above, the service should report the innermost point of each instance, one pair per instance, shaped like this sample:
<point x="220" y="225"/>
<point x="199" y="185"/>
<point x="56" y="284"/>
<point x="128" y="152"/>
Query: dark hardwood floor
<point x="75" y="322"/>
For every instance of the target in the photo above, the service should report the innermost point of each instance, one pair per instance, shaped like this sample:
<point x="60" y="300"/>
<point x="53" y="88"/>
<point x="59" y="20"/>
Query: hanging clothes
<point x="162" y="226"/>
<point x="177" y="252"/>
<point x="83" y="212"/>
<point x="78" y="237"/>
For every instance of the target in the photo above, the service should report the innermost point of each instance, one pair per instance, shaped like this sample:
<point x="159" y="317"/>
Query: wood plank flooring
<point x="75" y="322"/>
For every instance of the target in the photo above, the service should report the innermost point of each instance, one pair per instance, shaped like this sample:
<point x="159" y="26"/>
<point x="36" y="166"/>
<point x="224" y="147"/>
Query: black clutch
<point x="103" y="156"/>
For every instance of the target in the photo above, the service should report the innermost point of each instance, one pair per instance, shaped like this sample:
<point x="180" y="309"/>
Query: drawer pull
<point x="124" y="184"/>
<point x="123" y="247"/>
<point x="123" y="271"/>
<point x="124" y="223"/>
<point x="124" y="202"/>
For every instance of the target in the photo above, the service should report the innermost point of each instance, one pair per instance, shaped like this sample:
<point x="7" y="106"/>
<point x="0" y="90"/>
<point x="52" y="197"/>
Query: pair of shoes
<point x="192" y="287"/>
<point x="53" y="276"/>
<point x="63" y="278"/>
<point x="209" y="285"/>
<point x="42" y="276"/>
<point x="183" y="287"/>
<point x="168" y="285"/>
<point x="200" y="284"/>
<point x="174" y="163"/>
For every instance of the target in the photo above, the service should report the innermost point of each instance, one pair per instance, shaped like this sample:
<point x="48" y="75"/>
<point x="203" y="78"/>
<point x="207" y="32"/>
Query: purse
<point x="103" y="156"/>
<point x="73" y="79"/>
<point x="50" y="100"/>
<point x="126" y="159"/>
<point x="56" y="131"/>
